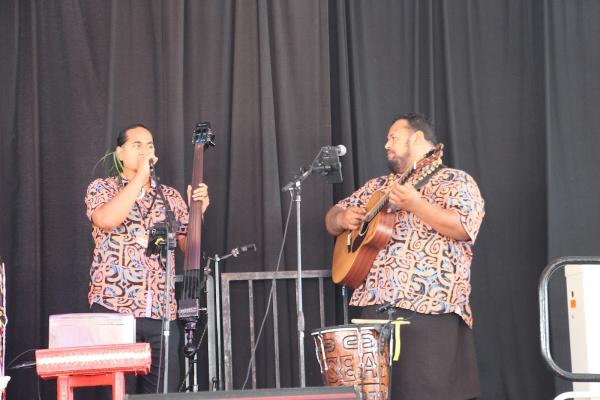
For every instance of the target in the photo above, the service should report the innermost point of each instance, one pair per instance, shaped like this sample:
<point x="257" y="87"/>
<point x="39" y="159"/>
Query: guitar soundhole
<point x="363" y="229"/>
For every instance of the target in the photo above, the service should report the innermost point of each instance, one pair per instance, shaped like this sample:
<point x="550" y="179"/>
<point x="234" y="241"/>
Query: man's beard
<point x="399" y="164"/>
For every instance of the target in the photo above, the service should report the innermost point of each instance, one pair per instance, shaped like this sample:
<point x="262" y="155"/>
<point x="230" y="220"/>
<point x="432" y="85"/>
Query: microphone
<point x="153" y="176"/>
<point x="247" y="247"/>
<point x="152" y="161"/>
<point x="386" y="306"/>
<point x="328" y="163"/>
<point x="242" y="249"/>
<point x="340" y="149"/>
<point x="329" y="151"/>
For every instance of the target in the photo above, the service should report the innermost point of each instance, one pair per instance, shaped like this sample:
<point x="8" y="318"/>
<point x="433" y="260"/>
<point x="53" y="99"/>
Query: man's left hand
<point x="405" y="197"/>
<point x="199" y="194"/>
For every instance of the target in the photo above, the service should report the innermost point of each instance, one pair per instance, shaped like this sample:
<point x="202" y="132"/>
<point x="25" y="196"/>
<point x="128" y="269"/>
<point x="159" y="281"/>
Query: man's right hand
<point x="351" y="218"/>
<point x="143" y="166"/>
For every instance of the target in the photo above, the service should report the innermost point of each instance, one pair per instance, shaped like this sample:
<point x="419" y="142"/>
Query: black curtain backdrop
<point x="512" y="86"/>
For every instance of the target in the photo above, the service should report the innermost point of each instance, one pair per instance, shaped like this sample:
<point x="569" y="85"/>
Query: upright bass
<point x="189" y="302"/>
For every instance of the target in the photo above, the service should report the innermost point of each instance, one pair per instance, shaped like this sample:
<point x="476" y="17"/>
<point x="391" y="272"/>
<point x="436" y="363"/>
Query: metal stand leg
<point x="220" y="382"/>
<point x="167" y="316"/>
<point x="187" y="374"/>
<point x="298" y="199"/>
<point x="345" y="300"/>
<point x="211" y="322"/>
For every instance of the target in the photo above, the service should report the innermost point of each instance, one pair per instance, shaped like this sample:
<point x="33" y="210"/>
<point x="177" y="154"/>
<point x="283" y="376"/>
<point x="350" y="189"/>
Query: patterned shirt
<point x="421" y="269"/>
<point x="123" y="278"/>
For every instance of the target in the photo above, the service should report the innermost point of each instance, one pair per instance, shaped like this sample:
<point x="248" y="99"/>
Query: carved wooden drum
<point x="355" y="355"/>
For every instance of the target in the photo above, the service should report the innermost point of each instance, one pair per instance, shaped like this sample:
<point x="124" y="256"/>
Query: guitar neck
<point x="433" y="157"/>
<point x="377" y="207"/>
<point x="193" y="256"/>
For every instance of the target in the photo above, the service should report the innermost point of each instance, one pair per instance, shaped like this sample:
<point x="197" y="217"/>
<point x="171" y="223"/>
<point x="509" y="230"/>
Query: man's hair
<point x="419" y="122"/>
<point x="122" y="137"/>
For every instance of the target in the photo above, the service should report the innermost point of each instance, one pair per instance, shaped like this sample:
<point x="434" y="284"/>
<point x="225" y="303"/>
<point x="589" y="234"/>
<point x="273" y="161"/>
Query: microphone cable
<point x="262" y="324"/>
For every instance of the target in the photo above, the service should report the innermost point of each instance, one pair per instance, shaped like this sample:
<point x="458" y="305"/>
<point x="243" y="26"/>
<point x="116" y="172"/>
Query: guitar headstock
<point x="203" y="135"/>
<point x="431" y="157"/>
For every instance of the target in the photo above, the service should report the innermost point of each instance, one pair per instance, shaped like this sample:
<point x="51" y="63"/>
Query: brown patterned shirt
<point x="419" y="268"/>
<point x="123" y="278"/>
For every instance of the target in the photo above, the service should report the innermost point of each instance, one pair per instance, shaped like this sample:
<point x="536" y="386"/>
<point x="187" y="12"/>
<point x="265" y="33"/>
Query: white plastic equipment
<point x="90" y="329"/>
<point x="583" y="300"/>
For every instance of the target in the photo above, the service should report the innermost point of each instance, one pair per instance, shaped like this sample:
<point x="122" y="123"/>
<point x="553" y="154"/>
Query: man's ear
<point x="418" y="136"/>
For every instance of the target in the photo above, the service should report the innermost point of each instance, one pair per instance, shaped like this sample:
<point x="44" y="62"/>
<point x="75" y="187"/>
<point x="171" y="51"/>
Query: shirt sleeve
<point x="461" y="194"/>
<point x="361" y="197"/>
<point x="98" y="193"/>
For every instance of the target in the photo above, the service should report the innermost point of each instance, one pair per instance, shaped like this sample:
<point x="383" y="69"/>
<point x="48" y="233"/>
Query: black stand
<point x="213" y="306"/>
<point x="390" y="308"/>
<point x="328" y="164"/>
<point x="162" y="238"/>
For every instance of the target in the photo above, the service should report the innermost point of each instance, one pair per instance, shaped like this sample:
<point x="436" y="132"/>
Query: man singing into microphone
<point x="424" y="269"/>
<point x="123" y="208"/>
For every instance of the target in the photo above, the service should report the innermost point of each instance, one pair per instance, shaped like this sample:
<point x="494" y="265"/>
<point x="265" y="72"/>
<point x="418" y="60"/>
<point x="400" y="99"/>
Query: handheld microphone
<point x="152" y="161"/>
<point x="153" y="177"/>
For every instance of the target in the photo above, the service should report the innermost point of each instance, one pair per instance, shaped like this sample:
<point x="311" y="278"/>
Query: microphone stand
<point x="323" y="165"/>
<point x="216" y="378"/>
<point x="295" y="189"/>
<point x="389" y="308"/>
<point x="167" y="252"/>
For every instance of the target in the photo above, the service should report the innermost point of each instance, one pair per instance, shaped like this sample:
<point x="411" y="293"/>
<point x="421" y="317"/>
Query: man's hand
<point x="446" y="221"/>
<point x="405" y="197"/>
<point x="143" y="166"/>
<point x="351" y="218"/>
<point x="199" y="194"/>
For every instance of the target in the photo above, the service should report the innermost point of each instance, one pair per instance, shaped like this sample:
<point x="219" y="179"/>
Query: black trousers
<point x="437" y="360"/>
<point x="148" y="330"/>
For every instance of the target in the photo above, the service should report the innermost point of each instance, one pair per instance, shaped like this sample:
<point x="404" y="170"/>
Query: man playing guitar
<point x="423" y="269"/>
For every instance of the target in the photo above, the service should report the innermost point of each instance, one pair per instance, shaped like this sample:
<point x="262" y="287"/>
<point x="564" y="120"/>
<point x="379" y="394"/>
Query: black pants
<point x="437" y="359"/>
<point x="148" y="330"/>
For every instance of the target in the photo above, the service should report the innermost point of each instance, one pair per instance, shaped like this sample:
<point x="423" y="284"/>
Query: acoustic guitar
<point x="356" y="250"/>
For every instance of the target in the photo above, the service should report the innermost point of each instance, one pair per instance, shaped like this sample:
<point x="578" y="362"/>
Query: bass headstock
<point x="203" y="135"/>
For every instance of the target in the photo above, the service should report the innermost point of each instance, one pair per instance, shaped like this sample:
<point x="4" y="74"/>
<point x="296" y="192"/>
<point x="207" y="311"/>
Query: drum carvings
<point x="355" y="355"/>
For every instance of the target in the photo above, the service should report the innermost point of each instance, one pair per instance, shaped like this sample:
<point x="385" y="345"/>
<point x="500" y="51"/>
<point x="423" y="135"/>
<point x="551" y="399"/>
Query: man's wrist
<point x="419" y="205"/>
<point x="336" y="221"/>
